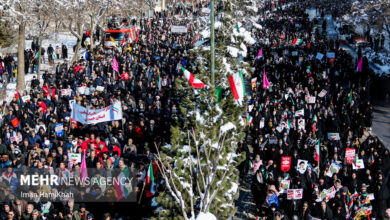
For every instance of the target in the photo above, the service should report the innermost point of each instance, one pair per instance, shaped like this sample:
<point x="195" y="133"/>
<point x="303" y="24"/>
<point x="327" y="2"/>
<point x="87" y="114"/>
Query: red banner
<point x="285" y="164"/>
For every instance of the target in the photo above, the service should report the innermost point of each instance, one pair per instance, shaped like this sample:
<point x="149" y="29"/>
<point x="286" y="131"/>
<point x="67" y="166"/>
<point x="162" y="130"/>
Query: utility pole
<point x="212" y="44"/>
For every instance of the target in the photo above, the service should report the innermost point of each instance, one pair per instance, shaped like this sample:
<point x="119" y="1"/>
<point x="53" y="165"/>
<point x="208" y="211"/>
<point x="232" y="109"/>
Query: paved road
<point x="381" y="122"/>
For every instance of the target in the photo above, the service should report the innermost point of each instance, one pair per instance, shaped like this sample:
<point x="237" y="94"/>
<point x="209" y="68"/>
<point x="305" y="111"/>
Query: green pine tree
<point x="200" y="126"/>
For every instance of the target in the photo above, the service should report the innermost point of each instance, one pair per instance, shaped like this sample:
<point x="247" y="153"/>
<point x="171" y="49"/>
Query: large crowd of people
<point x="316" y="98"/>
<point x="313" y="155"/>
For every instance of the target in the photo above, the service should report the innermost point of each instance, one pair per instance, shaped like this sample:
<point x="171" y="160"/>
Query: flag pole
<point x="212" y="44"/>
<point x="142" y="192"/>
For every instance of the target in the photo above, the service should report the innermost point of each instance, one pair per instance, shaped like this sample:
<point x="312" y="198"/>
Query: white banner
<point x="179" y="29"/>
<point x="94" y="116"/>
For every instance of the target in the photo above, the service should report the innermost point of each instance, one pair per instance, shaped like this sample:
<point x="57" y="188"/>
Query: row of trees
<point x="372" y="16"/>
<point x="42" y="18"/>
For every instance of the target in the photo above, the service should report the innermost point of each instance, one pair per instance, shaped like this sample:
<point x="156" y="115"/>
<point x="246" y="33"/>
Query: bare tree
<point x="73" y="14"/>
<point x="132" y="8"/>
<point x="96" y="12"/>
<point x="20" y="13"/>
<point x="44" y="14"/>
<point x="369" y="16"/>
<point x="151" y="4"/>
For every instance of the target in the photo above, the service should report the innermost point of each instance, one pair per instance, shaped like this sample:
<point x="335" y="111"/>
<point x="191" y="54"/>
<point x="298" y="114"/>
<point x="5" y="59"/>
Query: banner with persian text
<point x="94" y="116"/>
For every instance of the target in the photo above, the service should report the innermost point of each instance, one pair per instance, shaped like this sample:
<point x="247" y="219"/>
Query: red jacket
<point x="43" y="106"/>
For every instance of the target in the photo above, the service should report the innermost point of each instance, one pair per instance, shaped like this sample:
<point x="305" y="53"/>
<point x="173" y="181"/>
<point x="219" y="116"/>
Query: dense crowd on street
<point x="328" y="92"/>
<point x="317" y="91"/>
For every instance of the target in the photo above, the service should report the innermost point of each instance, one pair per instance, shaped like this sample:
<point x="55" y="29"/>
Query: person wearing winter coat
<point x="324" y="212"/>
<point x="381" y="195"/>
<point x="58" y="52"/>
<point x="258" y="188"/>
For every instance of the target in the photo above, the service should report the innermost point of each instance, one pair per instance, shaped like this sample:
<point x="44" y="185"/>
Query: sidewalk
<point x="381" y="122"/>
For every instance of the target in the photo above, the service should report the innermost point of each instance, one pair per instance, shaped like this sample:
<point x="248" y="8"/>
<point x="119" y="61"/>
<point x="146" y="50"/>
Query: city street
<point x="381" y="122"/>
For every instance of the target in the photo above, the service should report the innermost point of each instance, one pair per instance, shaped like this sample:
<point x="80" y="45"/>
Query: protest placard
<point x="310" y="99"/>
<point x="100" y="88"/>
<point x="26" y="98"/>
<point x="66" y="92"/>
<point x="319" y="56"/>
<point x="300" y="113"/>
<point x="75" y="157"/>
<point x="302" y="166"/>
<point x="81" y="90"/>
<point x="359" y="164"/>
<point x="178" y="29"/>
<point x="322" y="93"/>
<point x="350" y="155"/>
<point x="334" y="136"/>
<point x="294" y="194"/>
<point x="285" y="164"/>
<point x="330" y="55"/>
<point x="301" y="124"/>
<point x="59" y="129"/>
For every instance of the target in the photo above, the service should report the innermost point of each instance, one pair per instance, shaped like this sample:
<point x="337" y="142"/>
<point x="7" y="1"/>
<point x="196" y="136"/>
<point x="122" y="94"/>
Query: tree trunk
<point x="39" y="58"/>
<point x="77" y="52"/>
<point x="79" y="35"/>
<point x="20" y="77"/>
<point x="91" y="36"/>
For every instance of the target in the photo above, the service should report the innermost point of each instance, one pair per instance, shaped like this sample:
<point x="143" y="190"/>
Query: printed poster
<point x="66" y="92"/>
<point x="301" y="124"/>
<point x="334" y="136"/>
<point x="302" y="166"/>
<point x="319" y="56"/>
<point x="294" y="194"/>
<point x="75" y="158"/>
<point x="322" y="93"/>
<point x="26" y="98"/>
<point x="59" y="129"/>
<point x="350" y="155"/>
<point x="358" y="165"/>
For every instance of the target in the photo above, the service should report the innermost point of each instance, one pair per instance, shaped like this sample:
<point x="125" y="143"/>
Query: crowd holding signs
<point x="309" y="129"/>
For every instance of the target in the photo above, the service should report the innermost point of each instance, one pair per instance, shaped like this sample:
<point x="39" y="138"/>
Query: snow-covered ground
<point x="11" y="88"/>
<point x="379" y="62"/>
<point x="66" y="38"/>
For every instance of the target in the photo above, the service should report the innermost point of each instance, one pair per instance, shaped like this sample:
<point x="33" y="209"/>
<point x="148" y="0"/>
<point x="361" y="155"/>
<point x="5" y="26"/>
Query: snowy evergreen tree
<point x="199" y="165"/>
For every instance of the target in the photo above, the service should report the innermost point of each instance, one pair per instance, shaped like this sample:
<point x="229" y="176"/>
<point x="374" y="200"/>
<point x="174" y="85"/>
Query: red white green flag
<point x="297" y="41"/>
<point x="318" y="151"/>
<point x="237" y="86"/>
<point x="149" y="181"/>
<point x="195" y="83"/>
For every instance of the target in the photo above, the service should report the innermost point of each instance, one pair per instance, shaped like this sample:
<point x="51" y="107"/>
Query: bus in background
<point x="118" y="37"/>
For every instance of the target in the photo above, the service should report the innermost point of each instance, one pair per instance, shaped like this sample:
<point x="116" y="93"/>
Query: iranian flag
<point x="250" y="119"/>
<point x="297" y="41"/>
<point x="300" y="113"/>
<point x="195" y="83"/>
<point x="251" y="165"/>
<point x="318" y="152"/>
<point x="149" y="181"/>
<point x="315" y="118"/>
<point x="314" y="29"/>
<point x="237" y="85"/>
<point x="289" y="126"/>
<point x="122" y="187"/>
